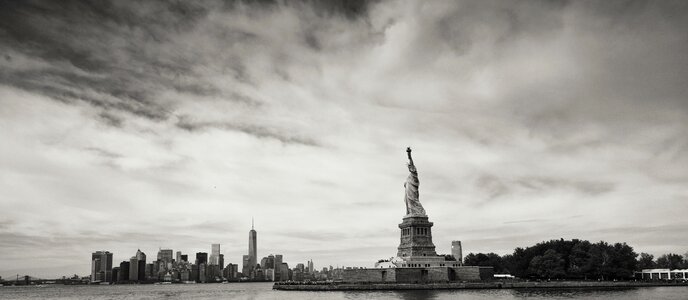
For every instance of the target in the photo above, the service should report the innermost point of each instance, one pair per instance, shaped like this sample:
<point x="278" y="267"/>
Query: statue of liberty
<point x="413" y="206"/>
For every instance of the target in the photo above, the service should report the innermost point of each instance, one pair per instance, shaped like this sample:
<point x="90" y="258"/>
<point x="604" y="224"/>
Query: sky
<point x="130" y="125"/>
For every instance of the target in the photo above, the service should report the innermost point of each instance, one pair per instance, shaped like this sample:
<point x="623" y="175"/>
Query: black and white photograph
<point x="344" y="149"/>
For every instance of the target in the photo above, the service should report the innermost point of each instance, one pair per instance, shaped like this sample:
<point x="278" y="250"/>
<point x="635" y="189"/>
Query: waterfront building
<point x="157" y="267"/>
<point x="124" y="271"/>
<point x="178" y="257"/>
<point x="213" y="273"/>
<point x="202" y="272"/>
<point x="297" y="274"/>
<point x="194" y="273"/>
<point x="95" y="272"/>
<point x="245" y="266"/>
<point x="133" y="269"/>
<point x="221" y="261"/>
<point x="662" y="274"/>
<point x="269" y="274"/>
<point x="115" y="274"/>
<point x="150" y="273"/>
<point x="278" y="267"/>
<point x="185" y="257"/>
<point x="284" y="272"/>
<point x="185" y="275"/>
<point x="231" y="271"/>
<point x="137" y="266"/>
<point x="101" y="266"/>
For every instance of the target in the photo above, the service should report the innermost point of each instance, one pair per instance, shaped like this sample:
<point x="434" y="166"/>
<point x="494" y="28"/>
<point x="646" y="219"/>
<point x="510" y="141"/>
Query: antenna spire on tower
<point x="251" y="223"/>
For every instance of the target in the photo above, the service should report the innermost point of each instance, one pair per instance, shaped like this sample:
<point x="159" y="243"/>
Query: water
<point x="263" y="291"/>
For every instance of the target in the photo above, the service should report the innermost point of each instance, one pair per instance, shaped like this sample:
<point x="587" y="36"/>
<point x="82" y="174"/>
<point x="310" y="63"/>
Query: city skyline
<point x="529" y="121"/>
<point x="203" y="269"/>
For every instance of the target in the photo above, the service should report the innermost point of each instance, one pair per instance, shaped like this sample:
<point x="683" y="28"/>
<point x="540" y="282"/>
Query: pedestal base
<point x="416" y="238"/>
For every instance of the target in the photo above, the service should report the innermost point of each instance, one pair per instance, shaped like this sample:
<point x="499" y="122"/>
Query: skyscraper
<point x="214" y="254"/>
<point x="101" y="266"/>
<point x="201" y="258"/>
<point x="165" y="255"/>
<point x="124" y="269"/>
<point x="252" y="248"/>
<point x="179" y="257"/>
<point x="133" y="269"/>
<point x="268" y="262"/>
<point x="137" y="266"/>
<point x="278" y="268"/>
<point x="115" y="274"/>
<point x="245" y="266"/>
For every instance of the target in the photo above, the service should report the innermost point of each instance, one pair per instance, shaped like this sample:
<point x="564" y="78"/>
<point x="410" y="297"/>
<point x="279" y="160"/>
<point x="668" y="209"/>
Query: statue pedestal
<point x="416" y="238"/>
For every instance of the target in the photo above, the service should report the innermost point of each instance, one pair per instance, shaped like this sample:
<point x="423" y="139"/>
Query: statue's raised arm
<point x="408" y="152"/>
<point x="411" y="166"/>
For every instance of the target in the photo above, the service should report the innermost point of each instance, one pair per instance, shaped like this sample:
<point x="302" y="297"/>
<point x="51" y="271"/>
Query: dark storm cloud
<point x="97" y="52"/>
<point x="116" y="56"/>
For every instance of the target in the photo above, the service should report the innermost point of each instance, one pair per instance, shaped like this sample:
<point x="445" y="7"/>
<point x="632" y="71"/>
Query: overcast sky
<point x="144" y="125"/>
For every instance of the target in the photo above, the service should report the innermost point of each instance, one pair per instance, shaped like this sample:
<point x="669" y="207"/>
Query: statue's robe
<point x="413" y="206"/>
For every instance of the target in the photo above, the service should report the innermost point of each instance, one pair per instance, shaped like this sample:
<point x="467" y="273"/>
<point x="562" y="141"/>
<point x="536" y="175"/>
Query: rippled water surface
<point x="264" y="291"/>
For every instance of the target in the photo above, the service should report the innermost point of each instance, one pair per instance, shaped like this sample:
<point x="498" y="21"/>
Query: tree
<point x="549" y="265"/>
<point x="623" y="261"/>
<point x="579" y="260"/>
<point x="670" y="261"/>
<point x="485" y="260"/>
<point x="448" y="257"/>
<point x="646" y="261"/>
<point x="519" y="261"/>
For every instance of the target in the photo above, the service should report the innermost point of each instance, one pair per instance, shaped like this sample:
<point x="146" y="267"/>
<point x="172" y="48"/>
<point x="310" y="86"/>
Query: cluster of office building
<point x="177" y="267"/>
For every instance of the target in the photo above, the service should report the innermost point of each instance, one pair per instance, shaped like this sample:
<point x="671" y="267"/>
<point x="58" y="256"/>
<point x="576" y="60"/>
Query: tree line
<point x="575" y="259"/>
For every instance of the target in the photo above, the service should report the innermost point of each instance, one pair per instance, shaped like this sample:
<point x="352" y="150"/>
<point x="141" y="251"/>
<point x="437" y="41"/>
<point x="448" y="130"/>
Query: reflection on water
<point x="263" y="291"/>
<point x="624" y="293"/>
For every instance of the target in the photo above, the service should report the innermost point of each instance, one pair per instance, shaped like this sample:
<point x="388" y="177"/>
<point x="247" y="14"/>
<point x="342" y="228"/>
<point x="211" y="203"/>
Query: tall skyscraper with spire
<point x="252" y="250"/>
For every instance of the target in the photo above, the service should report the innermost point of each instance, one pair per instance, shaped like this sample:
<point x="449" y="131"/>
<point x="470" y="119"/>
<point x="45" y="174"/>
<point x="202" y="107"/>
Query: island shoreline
<point x="471" y="285"/>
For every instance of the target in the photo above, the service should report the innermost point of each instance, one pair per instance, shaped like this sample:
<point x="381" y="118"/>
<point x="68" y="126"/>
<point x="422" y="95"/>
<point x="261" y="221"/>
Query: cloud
<point x="164" y="124"/>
